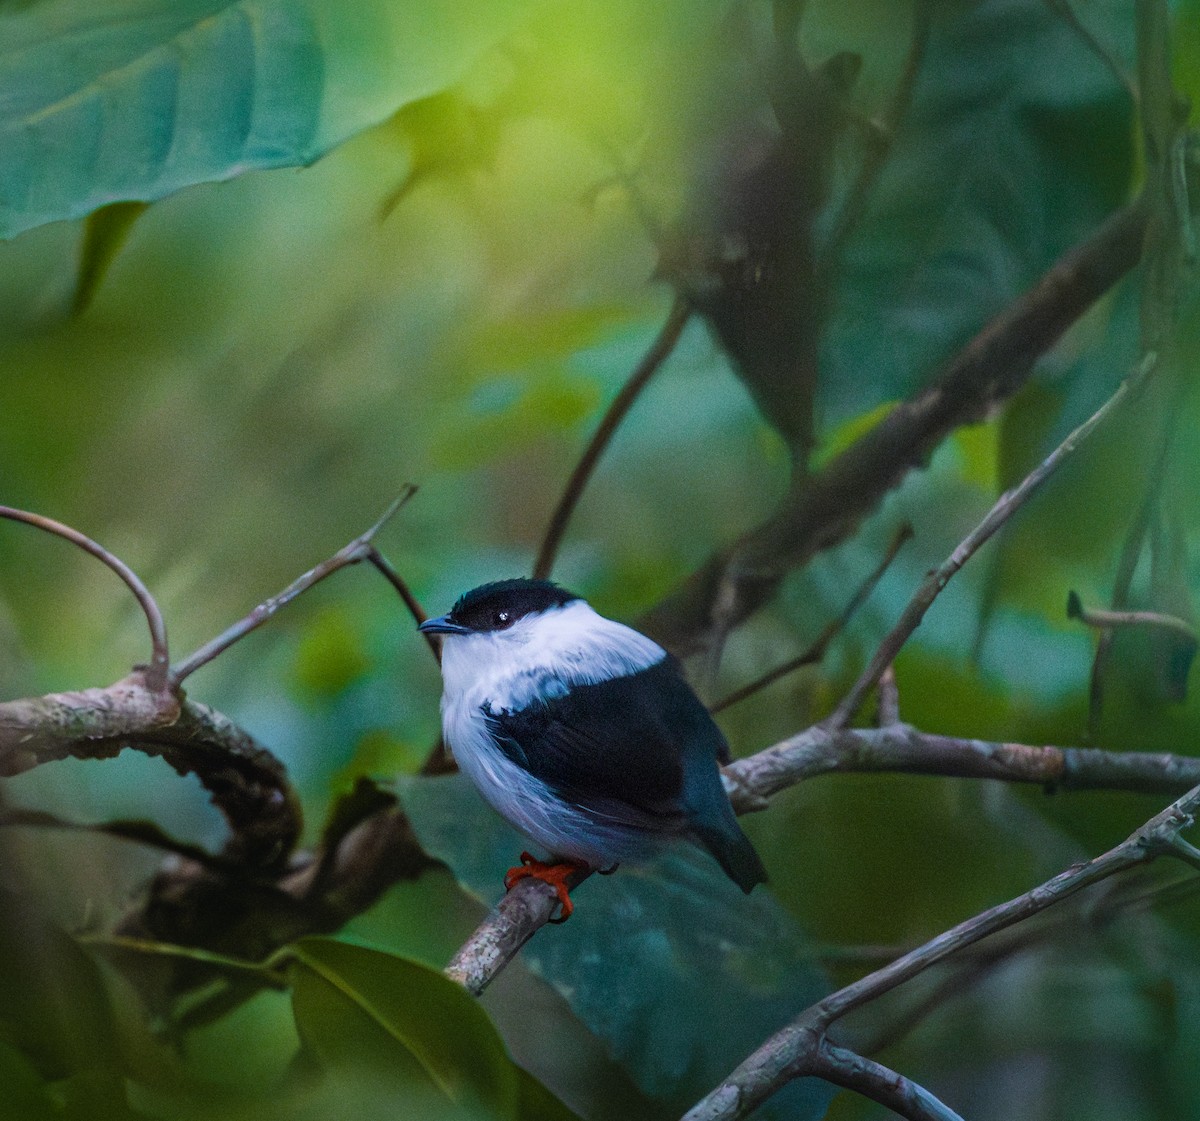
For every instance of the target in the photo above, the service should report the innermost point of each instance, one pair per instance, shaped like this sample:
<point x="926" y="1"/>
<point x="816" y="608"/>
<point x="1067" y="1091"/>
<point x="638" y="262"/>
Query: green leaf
<point x="22" y="1091"/>
<point x="671" y="965"/>
<point x="1007" y="157"/>
<point x="135" y="99"/>
<point x="55" y="1007"/>
<point x="105" y="232"/>
<point x="345" y="994"/>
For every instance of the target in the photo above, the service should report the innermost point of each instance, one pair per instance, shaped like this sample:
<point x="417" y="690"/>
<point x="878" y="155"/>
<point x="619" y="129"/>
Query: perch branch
<point x="785" y="1055"/>
<point x="893" y="748"/>
<point x="159" y="657"/>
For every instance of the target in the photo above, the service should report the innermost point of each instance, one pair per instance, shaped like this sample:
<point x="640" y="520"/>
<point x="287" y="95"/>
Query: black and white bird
<point x="582" y="733"/>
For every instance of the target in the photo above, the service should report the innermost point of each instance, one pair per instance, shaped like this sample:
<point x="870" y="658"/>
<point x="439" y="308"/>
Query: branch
<point x="1107" y="620"/>
<point x="247" y="784"/>
<point x="843" y="1067"/>
<point x="360" y="549"/>
<point x="894" y="748"/>
<point x="159" y="658"/>
<point x="653" y="359"/>
<point x="384" y="566"/>
<point x="903" y="749"/>
<point x="816" y="651"/>
<point x="140" y="832"/>
<point x="786" y="1054"/>
<point x="823" y="509"/>
<point x="1007" y="505"/>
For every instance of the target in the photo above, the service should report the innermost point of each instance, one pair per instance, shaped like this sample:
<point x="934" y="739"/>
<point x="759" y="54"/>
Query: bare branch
<point x="410" y="601"/>
<point x="247" y="784"/>
<point x="1005" y="507"/>
<point x="894" y="748"/>
<point x="832" y="629"/>
<point x="823" y="509"/>
<point x="1107" y="620"/>
<point x="360" y="549"/>
<point x="159" y="657"/>
<point x="660" y="350"/>
<point x="784" y="1055"/>
<point x="140" y="832"/>
<point x="887" y="698"/>
<point x="843" y="1067"/>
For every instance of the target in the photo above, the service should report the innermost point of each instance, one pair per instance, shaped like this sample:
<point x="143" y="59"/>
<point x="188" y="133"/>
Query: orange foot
<point x="556" y="875"/>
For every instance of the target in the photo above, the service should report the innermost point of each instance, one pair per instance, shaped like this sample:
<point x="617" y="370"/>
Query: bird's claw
<point x="556" y="875"/>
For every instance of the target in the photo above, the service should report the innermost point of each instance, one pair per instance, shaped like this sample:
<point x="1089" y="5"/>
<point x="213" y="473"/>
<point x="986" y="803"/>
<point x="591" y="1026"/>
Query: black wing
<point x="641" y="740"/>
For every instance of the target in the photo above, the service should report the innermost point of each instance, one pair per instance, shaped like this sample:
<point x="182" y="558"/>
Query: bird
<point x="583" y="734"/>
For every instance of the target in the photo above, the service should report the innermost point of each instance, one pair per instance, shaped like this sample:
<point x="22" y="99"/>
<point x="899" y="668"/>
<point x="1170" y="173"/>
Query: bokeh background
<point x="226" y="388"/>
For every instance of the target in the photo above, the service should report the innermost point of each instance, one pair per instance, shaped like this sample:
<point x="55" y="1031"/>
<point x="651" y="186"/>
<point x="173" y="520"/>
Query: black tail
<point x="733" y="850"/>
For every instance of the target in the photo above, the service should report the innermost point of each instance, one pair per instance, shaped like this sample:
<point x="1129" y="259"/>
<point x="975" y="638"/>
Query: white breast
<point x="540" y="656"/>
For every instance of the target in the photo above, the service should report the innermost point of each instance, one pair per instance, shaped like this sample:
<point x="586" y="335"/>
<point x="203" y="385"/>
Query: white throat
<point x="541" y="655"/>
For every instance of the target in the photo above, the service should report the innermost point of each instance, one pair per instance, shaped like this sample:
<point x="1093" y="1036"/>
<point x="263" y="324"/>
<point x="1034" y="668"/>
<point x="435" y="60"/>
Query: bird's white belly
<point x="529" y="805"/>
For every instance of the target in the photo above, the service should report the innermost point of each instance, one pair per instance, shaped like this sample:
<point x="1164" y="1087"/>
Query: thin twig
<point x="359" y="549"/>
<point x="1007" y="505"/>
<point x="832" y="629"/>
<point x="784" y="1055"/>
<point x="887" y="709"/>
<point x="159" y="657"/>
<point x="139" y="832"/>
<point x="660" y="349"/>
<point x="410" y="601"/>
<point x="1131" y="550"/>
<point x="1108" y="620"/>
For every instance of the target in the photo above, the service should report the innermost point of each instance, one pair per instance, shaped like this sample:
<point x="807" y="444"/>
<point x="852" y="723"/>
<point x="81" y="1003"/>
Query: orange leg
<point x="556" y="875"/>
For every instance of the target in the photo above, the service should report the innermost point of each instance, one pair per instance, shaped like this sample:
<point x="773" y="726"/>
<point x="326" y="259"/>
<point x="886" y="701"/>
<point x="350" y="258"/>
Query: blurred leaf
<point x="105" y="232"/>
<point x="432" y="1019"/>
<point x="1007" y="157"/>
<point x="330" y="656"/>
<point x="23" y="1093"/>
<point x="55" y="1006"/>
<point x="671" y="965"/>
<point x="139" y="98"/>
<point x="97" y="1095"/>
<point x="1172" y="653"/>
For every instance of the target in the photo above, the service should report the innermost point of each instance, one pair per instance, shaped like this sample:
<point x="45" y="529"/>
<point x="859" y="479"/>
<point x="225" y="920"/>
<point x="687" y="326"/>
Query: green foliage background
<point x="444" y="280"/>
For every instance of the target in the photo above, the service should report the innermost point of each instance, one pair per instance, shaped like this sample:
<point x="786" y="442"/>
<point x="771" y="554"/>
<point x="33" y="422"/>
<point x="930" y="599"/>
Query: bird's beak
<point x="442" y="625"/>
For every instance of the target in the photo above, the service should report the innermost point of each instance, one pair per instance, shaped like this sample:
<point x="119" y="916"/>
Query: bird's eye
<point x="501" y="619"/>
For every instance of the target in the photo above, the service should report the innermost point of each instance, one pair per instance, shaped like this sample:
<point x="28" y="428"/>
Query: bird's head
<point x="501" y="629"/>
<point x="517" y="640"/>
